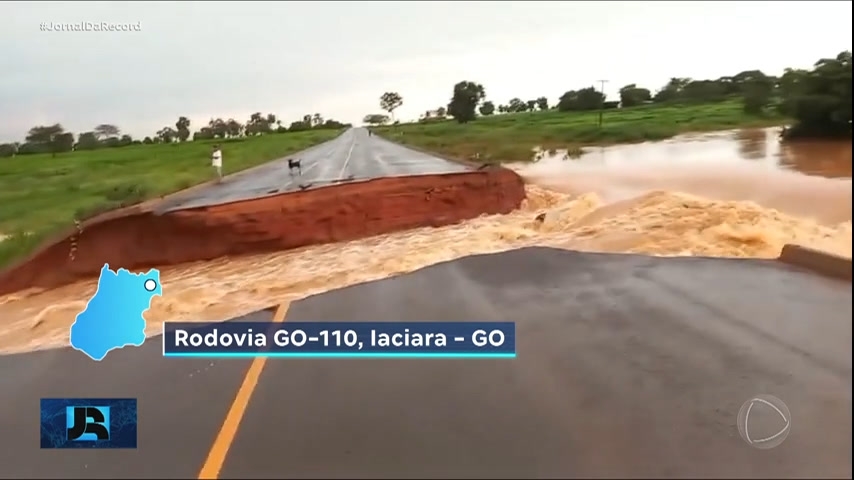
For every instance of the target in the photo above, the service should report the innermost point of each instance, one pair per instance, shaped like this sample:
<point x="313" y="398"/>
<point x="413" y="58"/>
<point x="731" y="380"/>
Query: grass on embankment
<point x="41" y="194"/>
<point x="512" y="137"/>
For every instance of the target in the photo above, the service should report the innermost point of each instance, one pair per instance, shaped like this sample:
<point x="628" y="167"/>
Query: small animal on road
<point x="292" y="164"/>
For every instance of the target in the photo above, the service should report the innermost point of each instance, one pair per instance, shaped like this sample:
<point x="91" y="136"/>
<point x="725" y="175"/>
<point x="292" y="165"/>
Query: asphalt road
<point x="627" y="366"/>
<point x="354" y="155"/>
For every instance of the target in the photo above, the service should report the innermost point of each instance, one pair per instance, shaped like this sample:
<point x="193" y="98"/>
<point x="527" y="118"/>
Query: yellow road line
<point x="225" y="437"/>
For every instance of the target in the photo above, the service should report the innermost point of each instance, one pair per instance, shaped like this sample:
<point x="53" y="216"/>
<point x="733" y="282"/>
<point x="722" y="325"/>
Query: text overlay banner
<point x="340" y="339"/>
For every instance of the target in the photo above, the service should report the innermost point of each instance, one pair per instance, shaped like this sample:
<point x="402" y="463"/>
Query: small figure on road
<point x="216" y="162"/>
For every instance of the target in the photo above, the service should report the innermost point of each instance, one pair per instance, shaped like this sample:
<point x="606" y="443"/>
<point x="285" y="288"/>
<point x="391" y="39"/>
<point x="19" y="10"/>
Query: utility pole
<point x="602" y="101"/>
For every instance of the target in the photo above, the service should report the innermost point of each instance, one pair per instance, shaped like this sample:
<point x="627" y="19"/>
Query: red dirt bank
<point x="141" y="239"/>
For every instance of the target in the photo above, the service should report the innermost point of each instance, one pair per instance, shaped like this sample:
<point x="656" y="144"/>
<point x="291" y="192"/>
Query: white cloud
<point x="337" y="58"/>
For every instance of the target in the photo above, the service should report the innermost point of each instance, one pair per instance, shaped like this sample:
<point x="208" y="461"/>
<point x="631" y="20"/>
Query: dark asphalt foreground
<point x="352" y="156"/>
<point x="628" y="366"/>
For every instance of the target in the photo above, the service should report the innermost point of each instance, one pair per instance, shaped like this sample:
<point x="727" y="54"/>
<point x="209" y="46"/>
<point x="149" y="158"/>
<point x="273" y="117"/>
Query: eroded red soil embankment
<point x="141" y="239"/>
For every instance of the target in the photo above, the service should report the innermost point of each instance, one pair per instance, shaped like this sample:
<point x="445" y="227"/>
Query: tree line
<point x="818" y="99"/>
<point x="54" y="139"/>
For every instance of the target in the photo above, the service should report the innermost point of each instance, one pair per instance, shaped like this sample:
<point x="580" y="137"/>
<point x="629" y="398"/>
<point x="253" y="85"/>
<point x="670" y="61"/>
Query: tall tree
<point x="488" y="108"/>
<point x="87" y="141"/>
<point x="631" y="95"/>
<point x="64" y="142"/>
<point x="543" y="103"/>
<point x="204" y="133"/>
<point x="389" y="101"/>
<point x="8" y="149"/>
<point x="672" y="90"/>
<point x="44" y="139"/>
<point x="44" y="134"/>
<point x="703" y="91"/>
<point x="167" y="134"/>
<point x="466" y="97"/>
<point x="517" y="105"/>
<point x="790" y="86"/>
<point x="299" y="126"/>
<point x="233" y="128"/>
<point x="183" y="126"/>
<point x="585" y="99"/>
<point x="257" y="124"/>
<point x="218" y="128"/>
<point x="756" y="91"/>
<point x="822" y="103"/>
<point x="105" y="130"/>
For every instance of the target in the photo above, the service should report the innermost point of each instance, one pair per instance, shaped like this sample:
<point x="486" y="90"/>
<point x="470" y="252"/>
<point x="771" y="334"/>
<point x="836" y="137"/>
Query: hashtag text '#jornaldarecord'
<point x="90" y="27"/>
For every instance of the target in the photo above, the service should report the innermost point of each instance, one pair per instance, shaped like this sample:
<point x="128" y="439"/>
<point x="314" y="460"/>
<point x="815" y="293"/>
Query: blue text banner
<point x="340" y="339"/>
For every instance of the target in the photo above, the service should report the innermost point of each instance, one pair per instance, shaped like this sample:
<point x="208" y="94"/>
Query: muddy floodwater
<point x="728" y="194"/>
<point x="760" y="148"/>
<point x="811" y="179"/>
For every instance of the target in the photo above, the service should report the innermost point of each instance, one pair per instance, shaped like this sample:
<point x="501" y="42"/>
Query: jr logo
<point x="87" y="424"/>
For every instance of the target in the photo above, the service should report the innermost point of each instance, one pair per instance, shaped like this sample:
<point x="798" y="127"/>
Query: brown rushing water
<point x="760" y="146"/>
<point x="733" y="194"/>
<point x="809" y="179"/>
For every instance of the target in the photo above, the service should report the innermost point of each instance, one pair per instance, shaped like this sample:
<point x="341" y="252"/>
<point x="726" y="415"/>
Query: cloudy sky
<point x="229" y="59"/>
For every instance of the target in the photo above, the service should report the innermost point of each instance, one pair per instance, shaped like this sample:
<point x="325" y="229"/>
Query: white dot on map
<point x="150" y="285"/>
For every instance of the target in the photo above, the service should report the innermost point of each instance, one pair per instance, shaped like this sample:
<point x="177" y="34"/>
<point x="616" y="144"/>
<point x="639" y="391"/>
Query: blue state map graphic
<point x="113" y="317"/>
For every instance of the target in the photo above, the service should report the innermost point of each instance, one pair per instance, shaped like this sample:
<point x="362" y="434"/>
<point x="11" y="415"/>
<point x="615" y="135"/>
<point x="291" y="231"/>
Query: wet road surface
<point x="354" y="155"/>
<point x="627" y="366"/>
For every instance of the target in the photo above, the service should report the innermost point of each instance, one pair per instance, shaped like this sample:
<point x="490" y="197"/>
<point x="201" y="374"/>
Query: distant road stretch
<point x="352" y="156"/>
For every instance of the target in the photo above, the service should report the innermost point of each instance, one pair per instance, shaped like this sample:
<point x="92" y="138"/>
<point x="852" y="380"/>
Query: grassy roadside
<point x="512" y="137"/>
<point x="40" y="194"/>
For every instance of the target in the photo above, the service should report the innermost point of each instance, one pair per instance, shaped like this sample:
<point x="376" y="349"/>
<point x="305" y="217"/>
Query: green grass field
<point x="40" y="194"/>
<point x="512" y="137"/>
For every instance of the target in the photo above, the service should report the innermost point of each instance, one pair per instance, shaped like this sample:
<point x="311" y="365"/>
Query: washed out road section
<point x="352" y="156"/>
<point x="348" y="211"/>
<point x="627" y="366"/>
<point x="387" y="188"/>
